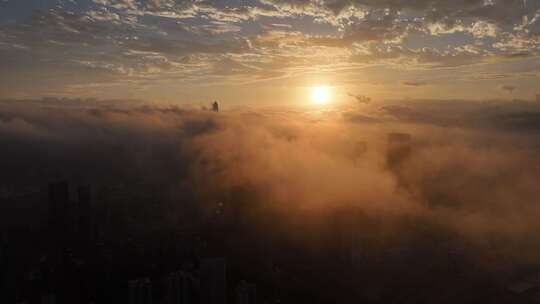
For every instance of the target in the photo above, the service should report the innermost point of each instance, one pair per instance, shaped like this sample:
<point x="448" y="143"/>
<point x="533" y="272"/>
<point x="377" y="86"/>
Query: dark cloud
<point x="378" y="29"/>
<point x="434" y="11"/>
<point x="425" y="57"/>
<point x="414" y="83"/>
<point x="487" y="114"/>
<point x="519" y="121"/>
<point x="360" y="98"/>
<point x="507" y="88"/>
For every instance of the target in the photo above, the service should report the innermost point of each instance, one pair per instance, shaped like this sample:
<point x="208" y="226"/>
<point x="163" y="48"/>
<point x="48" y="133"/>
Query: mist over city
<point x="214" y="152"/>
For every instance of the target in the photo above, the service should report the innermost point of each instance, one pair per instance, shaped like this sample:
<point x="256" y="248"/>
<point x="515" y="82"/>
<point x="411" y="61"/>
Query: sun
<point x="320" y="94"/>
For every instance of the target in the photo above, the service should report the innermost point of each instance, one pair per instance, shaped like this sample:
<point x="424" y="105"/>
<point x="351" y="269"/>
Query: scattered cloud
<point x="281" y="37"/>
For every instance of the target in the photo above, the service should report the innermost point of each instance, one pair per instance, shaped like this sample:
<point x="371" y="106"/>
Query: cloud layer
<point x="469" y="167"/>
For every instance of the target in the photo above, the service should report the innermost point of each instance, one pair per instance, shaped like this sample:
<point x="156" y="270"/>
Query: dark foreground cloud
<point x="475" y="179"/>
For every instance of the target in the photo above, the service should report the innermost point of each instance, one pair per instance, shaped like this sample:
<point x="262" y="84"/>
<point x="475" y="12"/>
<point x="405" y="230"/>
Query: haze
<point x="269" y="151"/>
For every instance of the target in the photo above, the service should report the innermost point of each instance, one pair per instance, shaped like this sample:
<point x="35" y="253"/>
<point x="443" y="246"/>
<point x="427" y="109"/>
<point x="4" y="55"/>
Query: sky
<point x="265" y="52"/>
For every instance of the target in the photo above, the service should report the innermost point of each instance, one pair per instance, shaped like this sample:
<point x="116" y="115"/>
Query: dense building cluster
<point x="134" y="242"/>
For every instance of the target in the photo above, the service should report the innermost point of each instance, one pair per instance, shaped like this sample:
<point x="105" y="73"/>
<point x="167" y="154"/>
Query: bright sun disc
<point x="320" y="94"/>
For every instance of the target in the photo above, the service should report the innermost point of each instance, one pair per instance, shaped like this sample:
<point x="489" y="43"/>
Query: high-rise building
<point x="2" y="250"/>
<point x="140" y="291"/>
<point x="48" y="299"/>
<point x="213" y="281"/>
<point x="58" y="209"/>
<point x="84" y="194"/>
<point x="3" y="269"/>
<point x="246" y="293"/>
<point x="179" y="288"/>
<point x="84" y="213"/>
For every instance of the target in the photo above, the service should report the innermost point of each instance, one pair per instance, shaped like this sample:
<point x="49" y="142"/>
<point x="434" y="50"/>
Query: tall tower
<point x="178" y="288"/>
<point x="140" y="291"/>
<point x="246" y="293"/>
<point x="213" y="281"/>
<point x="58" y="210"/>
<point x="84" y="213"/>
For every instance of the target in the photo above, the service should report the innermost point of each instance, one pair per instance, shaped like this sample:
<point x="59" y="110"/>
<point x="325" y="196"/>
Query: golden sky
<point x="269" y="51"/>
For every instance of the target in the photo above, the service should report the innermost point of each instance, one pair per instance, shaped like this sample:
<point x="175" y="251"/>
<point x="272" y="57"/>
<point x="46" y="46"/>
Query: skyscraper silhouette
<point x="48" y="299"/>
<point x="84" y="214"/>
<point x="246" y="293"/>
<point x="213" y="281"/>
<point x="58" y="210"/>
<point x="179" y="288"/>
<point x="140" y="291"/>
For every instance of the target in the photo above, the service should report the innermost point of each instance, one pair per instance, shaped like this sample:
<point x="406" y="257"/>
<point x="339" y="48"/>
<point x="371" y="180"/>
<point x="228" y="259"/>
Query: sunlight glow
<point x="320" y="94"/>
